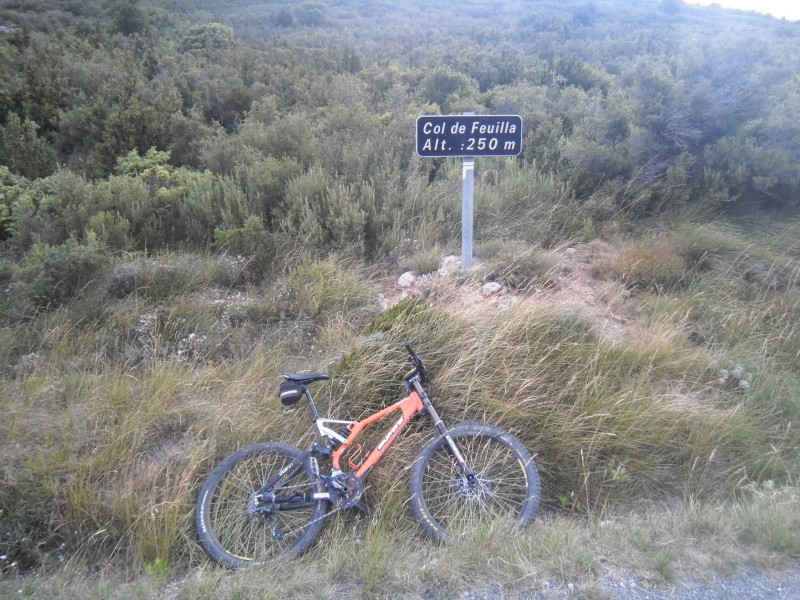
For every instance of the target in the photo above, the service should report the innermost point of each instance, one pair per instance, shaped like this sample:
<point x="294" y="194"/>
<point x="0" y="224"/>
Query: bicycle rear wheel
<point x="505" y="488"/>
<point x="235" y="530"/>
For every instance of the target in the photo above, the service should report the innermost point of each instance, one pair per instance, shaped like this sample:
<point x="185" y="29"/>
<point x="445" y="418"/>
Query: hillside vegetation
<point x="197" y="196"/>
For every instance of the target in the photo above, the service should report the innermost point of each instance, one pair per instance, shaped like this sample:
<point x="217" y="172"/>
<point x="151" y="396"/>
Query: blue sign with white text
<point x="469" y="135"/>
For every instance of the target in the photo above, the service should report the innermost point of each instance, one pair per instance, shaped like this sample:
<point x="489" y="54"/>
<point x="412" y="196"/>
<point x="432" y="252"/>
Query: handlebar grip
<point x="414" y="358"/>
<point x="417" y="362"/>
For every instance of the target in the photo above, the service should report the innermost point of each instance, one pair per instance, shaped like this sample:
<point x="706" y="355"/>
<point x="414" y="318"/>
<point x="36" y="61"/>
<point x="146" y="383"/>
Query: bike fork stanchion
<point x="442" y="428"/>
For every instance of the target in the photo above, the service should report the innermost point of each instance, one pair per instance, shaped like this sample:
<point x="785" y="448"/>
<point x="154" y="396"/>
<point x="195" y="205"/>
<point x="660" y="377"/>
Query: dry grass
<point x="368" y="558"/>
<point x="645" y="264"/>
<point x="104" y="454"/>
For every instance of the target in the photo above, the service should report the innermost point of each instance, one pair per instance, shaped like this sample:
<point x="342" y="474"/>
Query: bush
<point x="252" y="242"/>
<point x="326" y="212"/>
<point x="53" y="275"/>
<point x="172" y="276"/>
<point x="425" y="262"/>
<point x="207" y="36"/>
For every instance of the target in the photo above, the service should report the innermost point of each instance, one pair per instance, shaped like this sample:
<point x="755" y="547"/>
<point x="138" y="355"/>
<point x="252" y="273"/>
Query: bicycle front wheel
<point x="236" y="529"/>
<point x="504" y="488"/>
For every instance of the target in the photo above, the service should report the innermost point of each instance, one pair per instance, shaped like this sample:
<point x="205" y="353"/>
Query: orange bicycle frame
<point x="409" y="407"/>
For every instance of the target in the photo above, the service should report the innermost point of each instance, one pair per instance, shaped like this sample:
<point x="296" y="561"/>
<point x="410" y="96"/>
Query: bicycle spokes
<point x="473" y="489"/>
<point x="492" y="482"/>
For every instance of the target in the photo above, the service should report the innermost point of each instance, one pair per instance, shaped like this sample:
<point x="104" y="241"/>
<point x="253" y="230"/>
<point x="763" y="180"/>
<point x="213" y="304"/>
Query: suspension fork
<point x="442" y="428"/>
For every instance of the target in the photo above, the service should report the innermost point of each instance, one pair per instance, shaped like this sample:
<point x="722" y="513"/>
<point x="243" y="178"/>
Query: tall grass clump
<point x="702" y="245"/>
<point x="647" y="264"/>
<point x="529" y="205"/>
<point x="325" y="287"/>
<point x="744" y="307"/>
<point x="608" y="422"/>
<point x="521" y="267"/>
<point x="111" y="465"/>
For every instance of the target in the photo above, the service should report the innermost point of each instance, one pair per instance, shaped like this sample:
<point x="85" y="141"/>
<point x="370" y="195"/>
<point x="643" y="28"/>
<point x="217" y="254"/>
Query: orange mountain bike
<point x="270" y="498"/>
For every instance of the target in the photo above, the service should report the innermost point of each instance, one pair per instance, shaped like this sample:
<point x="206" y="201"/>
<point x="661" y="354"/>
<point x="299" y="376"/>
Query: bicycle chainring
<point x="347" y="489"/>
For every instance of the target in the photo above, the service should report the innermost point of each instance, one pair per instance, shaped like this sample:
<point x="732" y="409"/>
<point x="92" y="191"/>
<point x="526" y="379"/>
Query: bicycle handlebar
<point x="416" y="361"/>
<point x="414" y="358"/>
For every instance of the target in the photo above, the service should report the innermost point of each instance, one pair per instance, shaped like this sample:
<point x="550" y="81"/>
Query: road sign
<point x="469" y="135"/>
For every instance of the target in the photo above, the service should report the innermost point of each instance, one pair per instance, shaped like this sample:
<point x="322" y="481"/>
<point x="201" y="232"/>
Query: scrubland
<point x="664" y="443"/>
<point x="195" y="198"/>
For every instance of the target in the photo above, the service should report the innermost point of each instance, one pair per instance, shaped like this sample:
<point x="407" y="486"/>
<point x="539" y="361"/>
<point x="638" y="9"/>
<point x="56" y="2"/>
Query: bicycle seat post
<point x="314" y="413"/>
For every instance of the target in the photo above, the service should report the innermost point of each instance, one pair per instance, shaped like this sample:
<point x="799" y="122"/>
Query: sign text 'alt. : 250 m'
<point x="469" y="135"/>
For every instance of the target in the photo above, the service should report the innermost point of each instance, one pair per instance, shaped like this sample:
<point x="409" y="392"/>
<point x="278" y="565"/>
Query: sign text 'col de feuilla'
<point x="467" y="136"/>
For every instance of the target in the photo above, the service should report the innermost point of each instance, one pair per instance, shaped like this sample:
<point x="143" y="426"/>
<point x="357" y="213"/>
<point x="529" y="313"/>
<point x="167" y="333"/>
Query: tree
<point x="283" y="18"/>
<point x="208" y="36"/>
<point x="444" y="86"/>
<point x="130" y="18"/>
<point x="23" y="151"/>
<point x="312" y="14"/>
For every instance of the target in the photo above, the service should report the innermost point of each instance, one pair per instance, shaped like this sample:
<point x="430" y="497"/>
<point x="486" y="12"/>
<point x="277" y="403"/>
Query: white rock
<point x="450" y="264"/>
<point x="490" y="289"/>
<point x="406" y="280"/>
<point x="508" y="303"/>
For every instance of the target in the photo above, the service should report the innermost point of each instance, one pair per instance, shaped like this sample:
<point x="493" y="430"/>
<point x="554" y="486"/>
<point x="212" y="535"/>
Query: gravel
<point x="747" y="584"/>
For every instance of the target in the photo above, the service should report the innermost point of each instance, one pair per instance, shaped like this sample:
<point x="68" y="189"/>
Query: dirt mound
<point x="573" y="286"/>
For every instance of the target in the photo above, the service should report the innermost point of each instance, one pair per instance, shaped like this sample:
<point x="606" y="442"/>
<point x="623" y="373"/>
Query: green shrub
<point x="326" y="212"/>
<point x="52" y="275"/>
<point x="109" y="230"/>
<point x="531" y="206"/>
<point x="207" y="36"/>
<point x="490" y="248"/>
<point x="426" y="262"/>
<point x="253" y="242"/>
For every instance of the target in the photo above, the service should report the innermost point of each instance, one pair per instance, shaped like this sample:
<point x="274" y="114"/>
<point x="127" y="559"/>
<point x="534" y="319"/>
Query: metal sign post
<point x="467" y="136"/>
<point x="468" y="179"/>
<point x="467" y="189"/>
